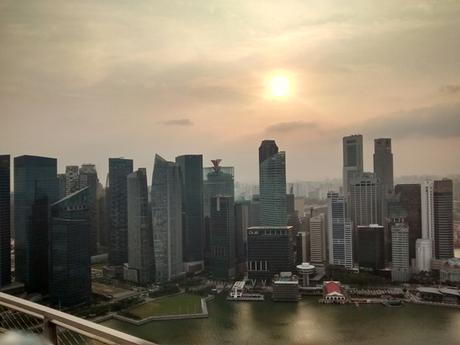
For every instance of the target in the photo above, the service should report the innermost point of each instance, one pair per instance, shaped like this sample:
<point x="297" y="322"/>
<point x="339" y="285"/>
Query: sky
<point x="86" y="80"/>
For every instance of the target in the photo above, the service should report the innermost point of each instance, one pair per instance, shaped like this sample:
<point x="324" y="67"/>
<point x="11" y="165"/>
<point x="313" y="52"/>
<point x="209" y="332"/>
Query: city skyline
<point x="103" y="85"/>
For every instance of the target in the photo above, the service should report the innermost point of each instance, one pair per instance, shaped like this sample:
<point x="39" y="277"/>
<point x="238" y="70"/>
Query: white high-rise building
<point x="427" y="209"/>
<point x="339" y="232"/>
<point x="317" y="239"/>
<point x="423" y="254"/>
<point x="400" y="252"/>
<point x="72" y="179"/>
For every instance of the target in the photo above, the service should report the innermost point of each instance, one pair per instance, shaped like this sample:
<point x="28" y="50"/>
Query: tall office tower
<point x="371" y="253"/>
<point x="192" y="200"/>
<point x="352" y="159"/>
<point x="241" y="234"/>
<point x="222" y="225"/>
<point x="218" y="180"/>
<point x="317" y="239"/>
<point x="427" y="207"/>
<point x="141" y="265"/>
<point x="383" y="164"/>
<point x="166" y="197"/>
<point x="409" y="199"/>
<point x="340" y="232"/>
<point x="35" y="188"/>
<point x="272" y="184"/>
<point x="102" y="216"/>
<point x="443" y="219"/>
<point x="72" y="180"/>
<point x="400" y="252"/>
<point x="255" y="211"/>
<point x="61" y="186"/>
<point x="365" y="202"/>
<point x="119" y="169"/>
<point x="270" y="251"/>
<point x="5" y="221"/>
<point x="88" y="178"/>
<point x="70" y="259"/>
<point x="423" y="255"/>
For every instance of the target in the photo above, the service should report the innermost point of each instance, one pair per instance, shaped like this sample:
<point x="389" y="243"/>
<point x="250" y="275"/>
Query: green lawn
<point x="169" y="305"/>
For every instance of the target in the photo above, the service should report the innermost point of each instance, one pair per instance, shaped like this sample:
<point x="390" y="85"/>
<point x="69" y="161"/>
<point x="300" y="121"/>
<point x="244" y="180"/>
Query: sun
<point x="279" y="86"/>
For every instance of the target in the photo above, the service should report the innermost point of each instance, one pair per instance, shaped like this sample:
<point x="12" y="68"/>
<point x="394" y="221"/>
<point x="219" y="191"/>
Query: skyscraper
<point x="409" y="198"/>
<point x="427" y="211"/>
<point x="192" y="196"/>
<point x="5" y="221"/>
<point x="222" y="241"/>
<point x="72" y="179"/>
<point x="167" y="219"/>
<point x="270" y="251"/>
<point x="272" y="184"/>
<point x="400" y="252"/>
<point x="241" y="235"/>
<point x="119" y="169"/>
<point x="423" y="254"/>
<point x="317" y="239"/>
<point x="352" y="159"/>
<point x="61" y="185"/>
<point x="218" y="180"/>
<point x="70" y="259"/>
<point x="140" y="235"/>
<point x="35" y="189"/>
<point x="443" y="219"/>
<point x="365" y="202"/>
<point x="340" y="232"/>
<point x="88" y="178"/>
<point x="371" y="247"/>
<point x="383" y="164"/>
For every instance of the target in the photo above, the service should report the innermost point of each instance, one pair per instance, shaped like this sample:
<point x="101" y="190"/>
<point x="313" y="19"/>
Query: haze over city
<point x="84" y="81"/>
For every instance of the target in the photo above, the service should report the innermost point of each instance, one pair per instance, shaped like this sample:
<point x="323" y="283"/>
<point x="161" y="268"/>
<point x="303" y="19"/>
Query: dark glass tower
<point x="443" y="219"/>
<point x="88" y="178"/>
<point x="222" y="237"/>
<point x="119" y="169"/>
<point x="352" y="159"/>
<point x="383" y="164"/>
<point x="35" y="189"/>
<point x="218" y="180"/>
<point x="5" y="221"/>
<point x="70" y="270"/>
<point x="371" y="247"/>
<point x="272" y="184"/>
<point x="192" y="195"/>
<point x="409" y="198"/>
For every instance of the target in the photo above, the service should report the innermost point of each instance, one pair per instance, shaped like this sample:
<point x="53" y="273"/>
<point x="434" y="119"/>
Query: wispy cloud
<point x="284" y="127"/>
<point x="177" y="122"/>
<point x="450" y="89"/>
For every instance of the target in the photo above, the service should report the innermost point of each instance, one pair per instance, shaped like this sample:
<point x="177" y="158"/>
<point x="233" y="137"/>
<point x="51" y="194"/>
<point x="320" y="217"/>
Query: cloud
<point x="284" y="127"/>
<point x="438" y="121"/>
<point x="450" y="89"/>
<point x="177" y="122"/>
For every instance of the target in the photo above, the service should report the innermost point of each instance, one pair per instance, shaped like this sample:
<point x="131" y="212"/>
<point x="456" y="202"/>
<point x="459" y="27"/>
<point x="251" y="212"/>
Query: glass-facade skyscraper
<point x="35" y="189"/>
<point x="272" y="184"/>
<point x="140" y="234"/>
<point x="352" y="159"/>
<point x="166" y="200"/>
<point x="218" y="180"/>
<point x="5" y="221"/>
<point x="383" y="164"/>
<point x="192" y="195"/>
<point x="119" y="169"/>
<point x="70" y="258"/>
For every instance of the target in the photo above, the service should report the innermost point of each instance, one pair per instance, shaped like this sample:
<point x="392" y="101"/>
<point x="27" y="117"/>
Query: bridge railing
<point x="58" y="327"/>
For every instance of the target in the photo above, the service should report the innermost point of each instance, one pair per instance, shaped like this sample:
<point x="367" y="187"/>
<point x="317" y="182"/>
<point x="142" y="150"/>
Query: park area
<point x="169" y="305"/>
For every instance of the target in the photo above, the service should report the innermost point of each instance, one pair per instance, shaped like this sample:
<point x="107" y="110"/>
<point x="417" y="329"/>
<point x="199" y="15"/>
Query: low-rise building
<point x="333" y="293"/>
<point x="450" y="271"/>
<point x="285" y="288"/>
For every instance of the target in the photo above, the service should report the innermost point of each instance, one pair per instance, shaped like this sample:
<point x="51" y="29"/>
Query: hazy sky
<point x="86" y="80"/>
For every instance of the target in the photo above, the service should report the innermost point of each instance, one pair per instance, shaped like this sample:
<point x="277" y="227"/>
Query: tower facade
<point x="352" y="159"/>
<point x="72" y="180"/>
<point x="443" y="219"/>
<point x="383" y="164"/>
<point x="400" y="252"/>
<point x="70" y="258"/>
<point x="340" y="232"/>
<point x="88" y="178"/>
<point x="317" y="240"/>
<point x="166" y="197"/>
<point x="218" y="180"/>
<point x="192" y="195"/>
<point x="365" y="202"/>
<point x="35" y="189"/>
<point x="119" y="169"/>
<point x="140" y="235"/>
<point x="272" y="184"/>
<point x="5" y="221"/>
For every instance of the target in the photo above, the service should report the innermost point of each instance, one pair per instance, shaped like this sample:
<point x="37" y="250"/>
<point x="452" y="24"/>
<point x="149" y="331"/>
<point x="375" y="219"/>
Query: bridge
<point x="17" y="314"/>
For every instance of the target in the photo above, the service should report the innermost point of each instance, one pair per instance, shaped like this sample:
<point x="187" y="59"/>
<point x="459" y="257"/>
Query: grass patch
<point x="168" y="305"/>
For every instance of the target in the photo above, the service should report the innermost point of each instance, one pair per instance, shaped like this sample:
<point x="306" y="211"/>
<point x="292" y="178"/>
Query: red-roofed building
<point x="333" y="293"/>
